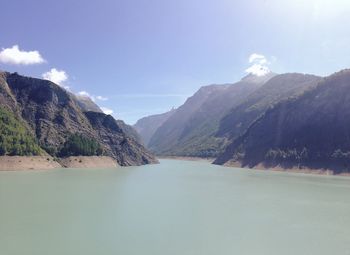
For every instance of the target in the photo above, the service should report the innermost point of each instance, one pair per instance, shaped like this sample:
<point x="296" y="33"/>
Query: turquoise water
<point x="176" y="207"/>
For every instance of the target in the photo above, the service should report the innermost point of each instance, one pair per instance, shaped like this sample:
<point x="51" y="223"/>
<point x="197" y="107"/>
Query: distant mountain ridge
<point x="147" y="126"/>
<point x="52" y="115"/>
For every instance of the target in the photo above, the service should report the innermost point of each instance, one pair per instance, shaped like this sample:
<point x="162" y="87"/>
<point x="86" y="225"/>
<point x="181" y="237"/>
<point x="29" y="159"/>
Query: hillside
<point x="310" y="130"/>
<point x="53" y="116"/>
<point x="190" y="130"/>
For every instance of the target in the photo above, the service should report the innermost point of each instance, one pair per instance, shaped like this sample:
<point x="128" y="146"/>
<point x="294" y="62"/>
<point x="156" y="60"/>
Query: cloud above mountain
<point x="15" y="56"/>
<point x="56" y="76"/>
<point x="259" y="65"/>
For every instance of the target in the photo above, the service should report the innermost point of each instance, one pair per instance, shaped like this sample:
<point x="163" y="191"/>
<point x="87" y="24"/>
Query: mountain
<point x="147" y="126"/>
<point x="276" y="89"/>
<point x="52" y="115"/>
<point x="190" y="130"/>
<point x="309" y="130"/>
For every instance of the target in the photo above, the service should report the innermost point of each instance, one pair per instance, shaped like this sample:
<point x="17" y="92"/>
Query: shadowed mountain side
<point x="311" y="130"/>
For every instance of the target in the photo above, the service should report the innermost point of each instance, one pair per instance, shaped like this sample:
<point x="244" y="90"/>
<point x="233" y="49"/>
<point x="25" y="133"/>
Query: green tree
<point x="79" y="145"/>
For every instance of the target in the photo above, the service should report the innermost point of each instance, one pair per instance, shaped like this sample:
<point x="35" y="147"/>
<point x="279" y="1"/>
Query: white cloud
<point x="15" y="56"/>
<point x="102" y="98"/>
<point x="259" y="65"/>
<point x="106" y="110"/>
<point x="56" y="76"/>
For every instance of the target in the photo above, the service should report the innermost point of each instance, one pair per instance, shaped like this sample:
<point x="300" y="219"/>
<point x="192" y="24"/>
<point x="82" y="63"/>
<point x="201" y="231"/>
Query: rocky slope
<point x="191" y="129"/>
<point x="52" y="115"/>
<point x="310" y="130"/>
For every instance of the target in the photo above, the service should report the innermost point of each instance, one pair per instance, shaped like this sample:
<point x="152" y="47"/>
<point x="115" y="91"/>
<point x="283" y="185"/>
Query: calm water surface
<point x="176" y="207"/>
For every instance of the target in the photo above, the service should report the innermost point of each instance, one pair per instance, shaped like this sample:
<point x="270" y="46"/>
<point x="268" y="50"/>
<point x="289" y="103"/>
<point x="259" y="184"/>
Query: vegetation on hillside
<point x="78" y="145"/>
<point x="14" y="137"/>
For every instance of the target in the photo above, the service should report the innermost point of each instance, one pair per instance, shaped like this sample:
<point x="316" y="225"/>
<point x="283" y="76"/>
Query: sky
<point x="141" y="57"/>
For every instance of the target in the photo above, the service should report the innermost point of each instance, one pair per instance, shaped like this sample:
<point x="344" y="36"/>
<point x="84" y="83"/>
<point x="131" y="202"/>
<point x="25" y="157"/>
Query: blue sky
<point x="146" y="56"/>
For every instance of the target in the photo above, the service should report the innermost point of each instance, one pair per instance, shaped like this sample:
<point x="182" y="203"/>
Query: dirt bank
<point x="304" y="170"/>
<point x="17" y="163"/>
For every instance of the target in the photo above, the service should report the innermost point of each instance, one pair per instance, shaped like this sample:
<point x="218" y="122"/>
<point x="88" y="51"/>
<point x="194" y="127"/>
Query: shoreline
<point x="187" y="158"/>
<point x="38" y="163"/>
<point x="260" y="167"/>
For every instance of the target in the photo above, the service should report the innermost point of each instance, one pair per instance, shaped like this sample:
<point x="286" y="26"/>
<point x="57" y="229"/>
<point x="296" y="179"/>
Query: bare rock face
<point x="53" y="114"/>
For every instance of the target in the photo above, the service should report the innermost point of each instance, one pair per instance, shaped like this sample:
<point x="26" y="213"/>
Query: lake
<point x="173" y="208"/>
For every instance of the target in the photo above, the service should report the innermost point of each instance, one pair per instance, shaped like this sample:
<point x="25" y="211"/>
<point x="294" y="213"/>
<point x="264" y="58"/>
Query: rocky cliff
<point x="52" y="115"/>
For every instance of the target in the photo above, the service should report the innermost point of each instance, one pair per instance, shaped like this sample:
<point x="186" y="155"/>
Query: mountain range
<point x="276" y="120"/>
